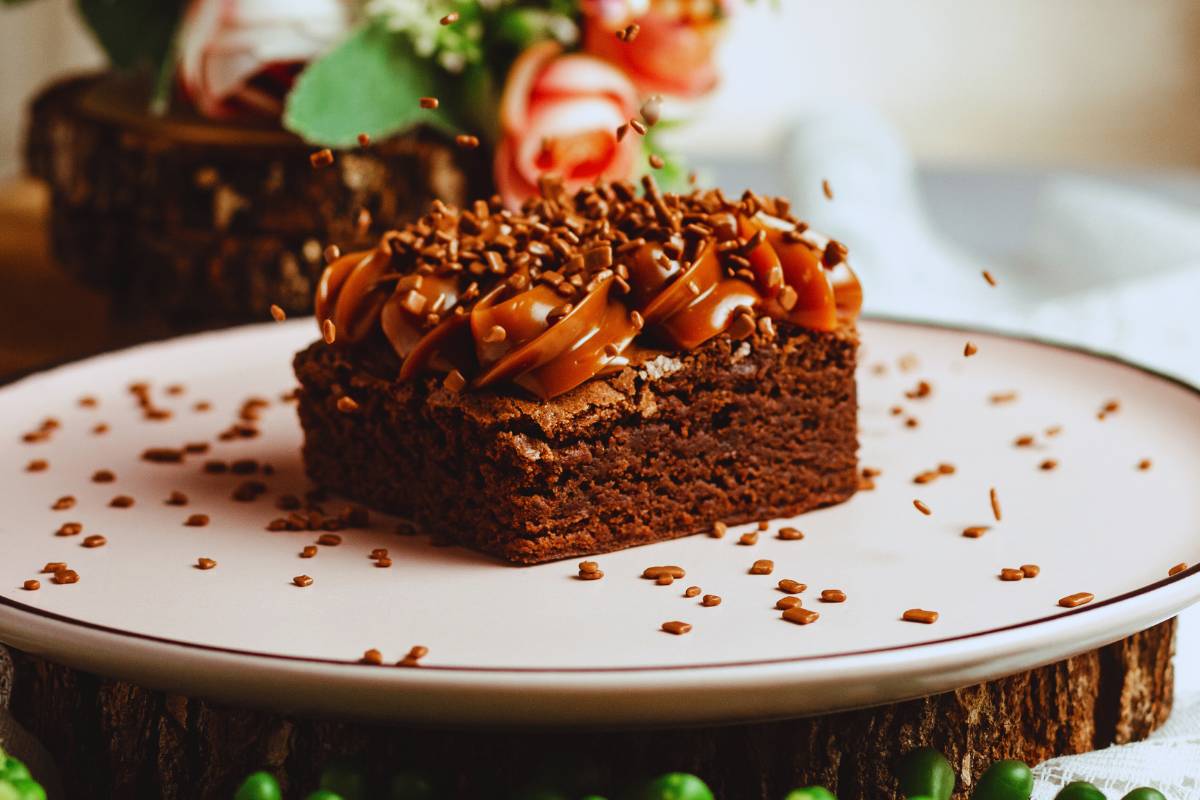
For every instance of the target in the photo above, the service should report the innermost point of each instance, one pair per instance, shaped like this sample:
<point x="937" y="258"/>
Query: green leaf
<point x="371" y="83"/>
<point x="134" y="33"/>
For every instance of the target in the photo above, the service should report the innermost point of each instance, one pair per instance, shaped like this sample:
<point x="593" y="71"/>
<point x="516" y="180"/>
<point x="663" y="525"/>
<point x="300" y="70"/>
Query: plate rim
<point x="1172" y="594"/>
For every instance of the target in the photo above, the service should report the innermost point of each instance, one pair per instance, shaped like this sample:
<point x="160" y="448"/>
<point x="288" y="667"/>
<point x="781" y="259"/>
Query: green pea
<point x="811" y="793"/>
<point x="674" y="786"/>
<point x="1145" y="793"/>
<point x="409" y="785"/>
<point x="13" y="770"/>
<point x="323" y="794"/>
<point x="1005" y="780"/>
<point x="1079" y="790"/>
<point x="591" y="797"/>
<point x="28" y="789"/>
<point x="259" y="786"/>
<point x="346" y="778"/>
<point x="8" y="791"/>
<point x="925" y="772"/>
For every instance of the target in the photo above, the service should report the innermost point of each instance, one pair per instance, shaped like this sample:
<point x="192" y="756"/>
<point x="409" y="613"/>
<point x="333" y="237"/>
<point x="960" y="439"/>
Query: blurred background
<point x="1054" y="142"/>
<point x="1029" y="82"/>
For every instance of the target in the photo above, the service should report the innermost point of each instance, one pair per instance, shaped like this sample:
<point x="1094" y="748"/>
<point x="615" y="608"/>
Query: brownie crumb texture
<point x="733" y="431"/>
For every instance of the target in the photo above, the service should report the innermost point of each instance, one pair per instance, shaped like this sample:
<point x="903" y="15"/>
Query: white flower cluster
<point x="452" y="46"/>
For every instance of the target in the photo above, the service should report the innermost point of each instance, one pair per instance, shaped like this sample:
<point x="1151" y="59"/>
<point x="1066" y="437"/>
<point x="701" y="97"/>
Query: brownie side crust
<point x="735" y="431"/>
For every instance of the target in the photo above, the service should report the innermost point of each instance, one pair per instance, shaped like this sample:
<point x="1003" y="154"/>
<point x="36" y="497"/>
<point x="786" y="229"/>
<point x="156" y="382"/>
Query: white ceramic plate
<point x="534" y="645"/>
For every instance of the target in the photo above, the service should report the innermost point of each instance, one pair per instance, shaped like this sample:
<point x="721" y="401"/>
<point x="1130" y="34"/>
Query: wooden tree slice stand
<point x="196" y="223"/>
<point x="116" y="739"/>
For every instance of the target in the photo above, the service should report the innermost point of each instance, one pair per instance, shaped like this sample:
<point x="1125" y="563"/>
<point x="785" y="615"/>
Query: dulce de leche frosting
<point x="573" y="284"/>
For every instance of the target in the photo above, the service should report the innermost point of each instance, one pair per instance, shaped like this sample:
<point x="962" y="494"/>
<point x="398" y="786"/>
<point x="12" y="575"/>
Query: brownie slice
<point x="733" y="430"/>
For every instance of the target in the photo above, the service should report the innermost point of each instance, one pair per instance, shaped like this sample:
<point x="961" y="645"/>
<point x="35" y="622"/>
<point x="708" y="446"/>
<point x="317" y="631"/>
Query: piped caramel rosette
<point x="566" y="290"/>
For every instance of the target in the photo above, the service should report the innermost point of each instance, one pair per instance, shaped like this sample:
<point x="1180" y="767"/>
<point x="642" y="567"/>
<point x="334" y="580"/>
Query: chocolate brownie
<point x="597" y="370"/>
<point x="734" y="431"/>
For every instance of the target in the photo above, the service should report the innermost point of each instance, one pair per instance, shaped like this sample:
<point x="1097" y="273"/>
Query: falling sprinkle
<point x="321" y="158"/>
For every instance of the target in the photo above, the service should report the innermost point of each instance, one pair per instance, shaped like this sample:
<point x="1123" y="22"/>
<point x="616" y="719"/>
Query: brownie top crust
<point x="617" y="395"/>
<point x="584" y="284"/>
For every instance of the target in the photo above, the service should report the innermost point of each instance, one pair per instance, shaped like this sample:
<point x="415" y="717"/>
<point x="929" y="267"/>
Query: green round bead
<point x="28" y="789"/>
<point x="346" y="778"/>
<point x="1005" y="780"/>
<point x="925" y="772"/>
<point x="811" y="793"/>
<point x="13" y="770"/>
<point x="1145" y="793"/>
<point x="323" y="794"/>
<point x="259" y="786"/>
<point x="408" y="785"/>
<point x="1079" y="790"/>
<point x="675" y="786"/>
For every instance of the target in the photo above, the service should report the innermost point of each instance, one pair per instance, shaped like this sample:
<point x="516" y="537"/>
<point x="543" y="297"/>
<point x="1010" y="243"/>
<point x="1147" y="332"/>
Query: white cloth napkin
<point x="1103" y="267"/>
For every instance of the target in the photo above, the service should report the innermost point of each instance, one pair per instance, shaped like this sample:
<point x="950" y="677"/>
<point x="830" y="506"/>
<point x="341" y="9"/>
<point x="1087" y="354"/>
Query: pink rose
<point x="241" y="56"/>
<point x="559" y="115"/>
<point x="615" y="13"/>
<point x="674" y="51"/>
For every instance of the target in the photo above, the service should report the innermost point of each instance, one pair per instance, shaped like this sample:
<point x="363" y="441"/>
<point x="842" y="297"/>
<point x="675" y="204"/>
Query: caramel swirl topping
<point x="557" y="293"/>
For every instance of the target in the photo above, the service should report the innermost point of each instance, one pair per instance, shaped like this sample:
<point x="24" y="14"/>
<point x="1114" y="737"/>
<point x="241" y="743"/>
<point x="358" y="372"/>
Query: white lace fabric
<point x="1169" y="761"/>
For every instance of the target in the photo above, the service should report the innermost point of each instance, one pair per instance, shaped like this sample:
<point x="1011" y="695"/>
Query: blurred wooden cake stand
<point x="197" y="223"/>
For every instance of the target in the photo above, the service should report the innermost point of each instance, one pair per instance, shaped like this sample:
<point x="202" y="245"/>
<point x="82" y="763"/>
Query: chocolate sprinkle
<point x="1077" y="599"/>
<point x="800" y="615"/>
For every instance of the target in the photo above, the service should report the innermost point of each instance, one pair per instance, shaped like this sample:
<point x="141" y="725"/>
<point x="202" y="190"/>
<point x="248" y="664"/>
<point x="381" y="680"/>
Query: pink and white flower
<point x="675" y="49"/>
<point x="614" y="13"/>
<point x="559" y="115"/>
<point x="240" y="57"/>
